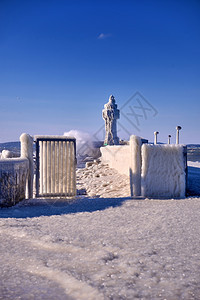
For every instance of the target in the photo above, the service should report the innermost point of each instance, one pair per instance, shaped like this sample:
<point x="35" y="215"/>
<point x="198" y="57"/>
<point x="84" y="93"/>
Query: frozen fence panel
<point x="13" y="178"/>
<point x="55" y="166"/>
<point x="163" y="171"/>
<point x="16" y="174"/>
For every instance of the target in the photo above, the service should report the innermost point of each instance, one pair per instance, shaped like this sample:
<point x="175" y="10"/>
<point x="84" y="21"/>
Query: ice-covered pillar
<point x="27" y="152"/>
<point x="135" y="165"/>
<point x="110" y="115"/>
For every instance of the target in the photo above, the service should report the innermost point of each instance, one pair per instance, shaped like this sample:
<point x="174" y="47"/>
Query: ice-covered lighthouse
<point x="110" y="115"/>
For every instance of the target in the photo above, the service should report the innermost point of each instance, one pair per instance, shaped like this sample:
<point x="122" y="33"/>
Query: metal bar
<point x="53" y="138"/>
<point x="52" y="167"/>
<point x="64" y="167"/>
<point x="73" y="170"/>
<point x="71" y="167"/>
<point x="41" y="165"/>
<point x="37" y="168"/>
<point x="55" y="166"/>
<point x="60" y="168"/>
<point x="44" y="167"/>
<point x="48" y="167"/>
<point x="68" y="168"/>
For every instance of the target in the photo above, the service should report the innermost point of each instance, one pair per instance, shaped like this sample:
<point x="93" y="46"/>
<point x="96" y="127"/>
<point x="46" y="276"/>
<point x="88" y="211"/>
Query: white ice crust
<point x="163" y="171"/>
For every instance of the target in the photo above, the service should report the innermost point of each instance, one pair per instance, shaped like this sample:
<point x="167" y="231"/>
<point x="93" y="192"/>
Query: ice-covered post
<point x="135" y="165"/>
<point x="27" y="152"/>
<point x="178" y="128"/>
<point x="169" y="138"/>
<point x="155" y="137"/>
<point x="110" y="114"/>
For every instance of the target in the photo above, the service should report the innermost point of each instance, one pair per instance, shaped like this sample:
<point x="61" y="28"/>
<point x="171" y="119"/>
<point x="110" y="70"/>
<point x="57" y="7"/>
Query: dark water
<point x="193" y="152"/>
<point x="11" y="146"/>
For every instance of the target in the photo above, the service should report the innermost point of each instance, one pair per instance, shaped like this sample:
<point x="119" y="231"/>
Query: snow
<point x="100" y="180"/>
<point x="6" y="154"/>
<point x="101" y="247"/>
<point x="195" y="164"/>
<point x="163" y="171"/>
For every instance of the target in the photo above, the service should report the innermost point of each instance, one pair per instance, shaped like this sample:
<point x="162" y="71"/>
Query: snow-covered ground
<point x="104" y="247"/>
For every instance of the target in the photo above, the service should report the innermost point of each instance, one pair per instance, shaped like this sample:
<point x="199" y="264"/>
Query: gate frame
<point x="49" y="138"/>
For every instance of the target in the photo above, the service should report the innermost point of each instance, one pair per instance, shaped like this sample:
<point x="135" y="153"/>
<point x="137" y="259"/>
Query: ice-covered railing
<point x="154" y="170"/>
<point x="16" y="174"/>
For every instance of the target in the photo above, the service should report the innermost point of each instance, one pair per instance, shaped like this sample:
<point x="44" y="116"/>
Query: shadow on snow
<point x="48" y="207"/>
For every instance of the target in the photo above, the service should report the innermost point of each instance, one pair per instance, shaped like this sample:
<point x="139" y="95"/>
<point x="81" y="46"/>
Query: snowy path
<point x="140" y="249"/>
<point x="101" y="248"/>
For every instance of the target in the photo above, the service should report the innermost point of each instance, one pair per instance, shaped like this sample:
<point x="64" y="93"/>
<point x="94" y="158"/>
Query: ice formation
<point x="8" y="154"/>
<point x="98" y="180"/>
<point x="163" y="171"/>
<point x="110" y="115"/>
<point x="13" y="175"/>
<point x="135" y="165"/>
<point x="27" y="152"/>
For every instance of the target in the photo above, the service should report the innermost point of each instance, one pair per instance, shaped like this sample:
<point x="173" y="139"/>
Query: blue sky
<point x="61" y="60"/>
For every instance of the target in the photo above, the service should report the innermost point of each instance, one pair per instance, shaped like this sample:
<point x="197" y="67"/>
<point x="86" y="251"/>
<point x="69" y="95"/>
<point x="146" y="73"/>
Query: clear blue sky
<point x="61" y="60"/>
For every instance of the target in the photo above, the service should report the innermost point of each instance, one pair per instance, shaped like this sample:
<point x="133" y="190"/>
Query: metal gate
<point x="55" y="166"/>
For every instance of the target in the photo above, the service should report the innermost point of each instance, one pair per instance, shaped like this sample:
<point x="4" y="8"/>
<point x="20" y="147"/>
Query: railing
<point x="13" y="180"/>
<point x="16" y="174"/>
<point x="55" y="166"/>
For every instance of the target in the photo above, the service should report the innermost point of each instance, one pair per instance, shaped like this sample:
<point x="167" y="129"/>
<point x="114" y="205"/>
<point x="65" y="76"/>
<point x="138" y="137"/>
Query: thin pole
<point x="155" y="137"/>
<point x="178" y="128"/>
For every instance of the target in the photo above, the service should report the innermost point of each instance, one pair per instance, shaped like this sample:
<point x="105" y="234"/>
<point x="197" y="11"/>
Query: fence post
<point x="27" y="152"/>
<point x="135" y="165"/>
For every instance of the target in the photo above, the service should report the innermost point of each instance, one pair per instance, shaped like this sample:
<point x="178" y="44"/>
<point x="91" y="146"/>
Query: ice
<point x="135" y="165"/>
<point x="194" y="164"/>
<point x="163" y="171"/>
<point x="100" y="180"/>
